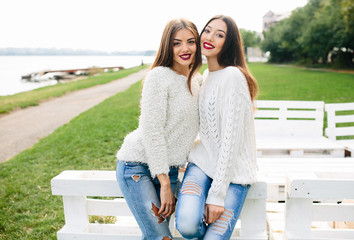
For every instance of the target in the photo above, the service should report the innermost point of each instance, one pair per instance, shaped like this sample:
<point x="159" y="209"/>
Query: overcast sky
<point x="118" y="25"/>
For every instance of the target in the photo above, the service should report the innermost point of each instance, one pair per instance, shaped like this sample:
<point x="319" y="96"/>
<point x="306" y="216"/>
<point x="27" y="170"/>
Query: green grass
<point x="290" y="83"/>
<point x="283" y="82"/>
<point x="34" y="97"/>
<point x="90" y="141"/>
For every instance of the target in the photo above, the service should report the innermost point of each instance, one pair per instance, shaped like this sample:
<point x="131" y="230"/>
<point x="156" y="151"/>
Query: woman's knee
<point x="188" y="225"/>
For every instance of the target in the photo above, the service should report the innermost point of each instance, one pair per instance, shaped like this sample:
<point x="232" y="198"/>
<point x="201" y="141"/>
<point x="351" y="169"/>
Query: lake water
<point x="13" y="67"/>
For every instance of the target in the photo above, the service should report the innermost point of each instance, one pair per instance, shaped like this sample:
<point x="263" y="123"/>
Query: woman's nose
<point x="185" y="47"/>
<point x="208" y="38"/>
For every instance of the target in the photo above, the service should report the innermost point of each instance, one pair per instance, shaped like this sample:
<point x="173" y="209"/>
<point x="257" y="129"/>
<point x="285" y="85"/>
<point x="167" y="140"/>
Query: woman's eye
<point x="220" y="35"/>
<point x="175" y="43"/>
<point x="206" y="30"/>
<point x="191" y="42"/>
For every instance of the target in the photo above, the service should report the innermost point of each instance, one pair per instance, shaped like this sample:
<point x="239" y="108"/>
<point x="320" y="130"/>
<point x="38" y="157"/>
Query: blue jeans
<point x="190" y="212"/>
<point x="142" y="194"/>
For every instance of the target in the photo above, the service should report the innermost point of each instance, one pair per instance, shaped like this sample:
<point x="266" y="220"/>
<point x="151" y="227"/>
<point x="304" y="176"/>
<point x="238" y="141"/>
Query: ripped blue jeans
<point x="190" y="212"/>
<point x="142" y="194"/>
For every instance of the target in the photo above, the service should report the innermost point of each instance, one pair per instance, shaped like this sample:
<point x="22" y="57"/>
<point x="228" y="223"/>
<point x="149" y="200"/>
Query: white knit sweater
<point x="168" y="123"/>
<point x="226" y="151"/>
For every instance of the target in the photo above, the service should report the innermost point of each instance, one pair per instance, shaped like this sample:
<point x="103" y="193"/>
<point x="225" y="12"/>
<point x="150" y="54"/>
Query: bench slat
<point x="289" y="104"/>
<point x="314" y="189"/>
<point x="339" y="106"/>
<point x="343" y="131"/>
<point x="116" y="207"/>
<point x="333" y="212"/>
<point x="344" y="118"/>
<point x="104" y="183"/>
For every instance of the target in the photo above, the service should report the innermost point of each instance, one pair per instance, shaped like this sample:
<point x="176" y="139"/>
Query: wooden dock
<point x="46" y="75"/>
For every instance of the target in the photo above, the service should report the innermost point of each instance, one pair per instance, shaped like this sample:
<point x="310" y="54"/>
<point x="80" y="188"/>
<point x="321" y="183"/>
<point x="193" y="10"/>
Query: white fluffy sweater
<point x="227" y="148"/>
<point x="168" y="123"/>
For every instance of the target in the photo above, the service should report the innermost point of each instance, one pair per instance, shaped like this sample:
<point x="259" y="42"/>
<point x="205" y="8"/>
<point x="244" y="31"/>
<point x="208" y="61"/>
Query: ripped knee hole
<point x="191" y="187"/>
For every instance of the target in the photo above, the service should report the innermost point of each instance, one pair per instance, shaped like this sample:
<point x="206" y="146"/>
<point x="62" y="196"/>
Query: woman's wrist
<point x="164" y="180"/>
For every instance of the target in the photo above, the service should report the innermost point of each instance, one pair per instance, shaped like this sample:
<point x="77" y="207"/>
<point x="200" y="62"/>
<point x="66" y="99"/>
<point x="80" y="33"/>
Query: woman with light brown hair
<point x="150" y="156"/>
<point x="222" y="165"/>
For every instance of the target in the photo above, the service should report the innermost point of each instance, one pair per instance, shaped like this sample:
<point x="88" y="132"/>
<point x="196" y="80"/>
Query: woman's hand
<point x="212" y="213"/>
<point x="168" y="201"/>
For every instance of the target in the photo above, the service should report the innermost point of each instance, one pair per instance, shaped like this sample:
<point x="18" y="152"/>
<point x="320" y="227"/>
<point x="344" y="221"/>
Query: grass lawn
<point x="291" y="83"/>
<point x="283" y="82"/>
<point x="34" y="97"/>
<point x="90" y="141"/>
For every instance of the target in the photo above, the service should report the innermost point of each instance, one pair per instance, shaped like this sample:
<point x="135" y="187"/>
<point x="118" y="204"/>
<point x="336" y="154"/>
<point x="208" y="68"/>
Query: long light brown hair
<point x="164" y="56"/>
<point x="232" y="53"/>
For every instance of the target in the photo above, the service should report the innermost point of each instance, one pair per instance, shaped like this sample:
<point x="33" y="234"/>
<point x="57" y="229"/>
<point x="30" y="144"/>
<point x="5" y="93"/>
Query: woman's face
<point x="213" y="38"/>
<point x="184" y="48"/>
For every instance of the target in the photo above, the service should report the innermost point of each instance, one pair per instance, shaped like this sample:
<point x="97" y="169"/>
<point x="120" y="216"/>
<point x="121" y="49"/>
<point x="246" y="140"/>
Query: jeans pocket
<point x="135" y="168"/>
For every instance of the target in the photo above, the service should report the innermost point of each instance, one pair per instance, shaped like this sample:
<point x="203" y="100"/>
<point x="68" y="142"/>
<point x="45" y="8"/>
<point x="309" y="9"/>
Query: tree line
<point x="320" y="32"/>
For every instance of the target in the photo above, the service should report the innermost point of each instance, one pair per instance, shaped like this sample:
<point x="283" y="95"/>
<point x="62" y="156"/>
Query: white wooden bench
<point x="77" y="186"/>
<point x="334" y="117"/>
<point x="301" y="210"/>
<point x="274" y="171"/>
<point x="292" y="128"/>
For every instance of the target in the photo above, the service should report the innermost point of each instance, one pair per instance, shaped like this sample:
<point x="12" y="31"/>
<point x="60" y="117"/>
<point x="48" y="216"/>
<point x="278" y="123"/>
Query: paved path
<point x="22" y="129"/>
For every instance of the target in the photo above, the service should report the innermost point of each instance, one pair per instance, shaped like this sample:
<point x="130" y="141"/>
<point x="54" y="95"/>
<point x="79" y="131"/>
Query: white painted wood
<point x="116" y="207"/>
<point x="344" y="118"/>
<point x="76" y="185"/>
<point x="298" y="217"/>
<point x="292" y="128"/>
<point x="275" y="170"/>
<point x="333" y="234"/>
<point x="344" y="131"/>
<point x="311" y="146"/>
<point x="296" y="152"/>
<point x="285" y="113"/>
<point x="333" y="212"/>
<point x="301" y="211"/>
<point x="79" y="183"/>
<point x="314" y="189"/>
<point x="333" y="131"/>
<point x="75" y="210"/>
<point x="253" y="219"/>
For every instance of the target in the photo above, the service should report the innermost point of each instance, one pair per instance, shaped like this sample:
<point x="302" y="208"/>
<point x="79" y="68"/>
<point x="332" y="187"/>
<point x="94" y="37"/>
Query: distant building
<point x="272" y="18"/>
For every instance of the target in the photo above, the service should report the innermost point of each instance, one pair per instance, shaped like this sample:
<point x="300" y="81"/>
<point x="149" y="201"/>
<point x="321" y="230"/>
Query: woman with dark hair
<point x="222" y="165"/>
<point x="150" y="156"/>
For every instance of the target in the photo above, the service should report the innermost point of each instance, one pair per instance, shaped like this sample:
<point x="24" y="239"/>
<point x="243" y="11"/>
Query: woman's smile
<point x="185" y="56"/>
<point x="207" y="45"/>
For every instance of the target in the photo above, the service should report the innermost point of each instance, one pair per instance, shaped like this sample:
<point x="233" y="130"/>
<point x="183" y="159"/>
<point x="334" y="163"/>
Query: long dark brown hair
<point x="232" y="53"/>
<point x="164" y="56"/>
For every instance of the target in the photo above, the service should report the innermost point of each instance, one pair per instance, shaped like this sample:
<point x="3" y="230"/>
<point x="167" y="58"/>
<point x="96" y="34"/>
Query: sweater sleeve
<point x="152" y="121"/>
<point x="231" y="124"/>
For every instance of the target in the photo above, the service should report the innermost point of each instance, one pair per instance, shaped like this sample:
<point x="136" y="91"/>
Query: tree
<point x="250" y="38"/>
<point x="312" y="32"/>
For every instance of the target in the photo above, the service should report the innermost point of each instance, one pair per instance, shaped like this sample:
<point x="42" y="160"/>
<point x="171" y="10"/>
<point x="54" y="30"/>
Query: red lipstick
<point x="185" y="56"/>
<point x="207" y="45"/>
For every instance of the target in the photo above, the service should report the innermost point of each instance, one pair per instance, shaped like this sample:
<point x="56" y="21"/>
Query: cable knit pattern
<point x="227" y="148"/>
<point x="168" y="123"/>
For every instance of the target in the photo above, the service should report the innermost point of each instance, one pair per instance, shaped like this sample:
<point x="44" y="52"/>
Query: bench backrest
<point x="289" y="118"/>
<point x="301" y="209"/>
<point x="339" y="114"/>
